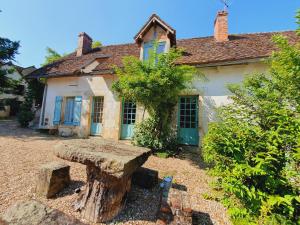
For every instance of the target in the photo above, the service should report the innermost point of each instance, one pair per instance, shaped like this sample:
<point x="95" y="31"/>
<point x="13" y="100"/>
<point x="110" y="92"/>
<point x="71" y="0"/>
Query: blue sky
<point x="56" y="23"/>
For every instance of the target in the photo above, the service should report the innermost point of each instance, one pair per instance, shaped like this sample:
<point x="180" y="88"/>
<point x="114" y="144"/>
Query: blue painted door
<point x="96" y="116"/>
<point x="128" y="119"/>
<point x="188" y="120"/>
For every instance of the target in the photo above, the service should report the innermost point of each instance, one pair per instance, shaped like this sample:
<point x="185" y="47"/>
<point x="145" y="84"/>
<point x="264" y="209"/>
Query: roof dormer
<point x="156" y="29"/>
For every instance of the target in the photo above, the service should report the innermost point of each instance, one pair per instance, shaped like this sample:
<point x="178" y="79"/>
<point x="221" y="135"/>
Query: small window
<point x="149" y="47"/>
<point x="69" y="110"/>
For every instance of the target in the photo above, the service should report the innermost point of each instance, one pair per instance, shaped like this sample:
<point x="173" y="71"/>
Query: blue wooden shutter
<point x="69" y="111"/>
<point x="57" y="110"/>
<point x="77" y="110"/>
<point x="161" y="47"/>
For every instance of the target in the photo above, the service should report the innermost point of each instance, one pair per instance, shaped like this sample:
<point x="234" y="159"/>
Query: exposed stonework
<point x="145" y="178"/>
<point x="52" y="177"/>
<point x="109" y="167"/>
<point x="35" y="213"/>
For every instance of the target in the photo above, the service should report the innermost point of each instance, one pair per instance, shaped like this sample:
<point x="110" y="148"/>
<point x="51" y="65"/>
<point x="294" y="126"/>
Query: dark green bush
<point x="145" y="135"/>
<point x="24" y="117"/>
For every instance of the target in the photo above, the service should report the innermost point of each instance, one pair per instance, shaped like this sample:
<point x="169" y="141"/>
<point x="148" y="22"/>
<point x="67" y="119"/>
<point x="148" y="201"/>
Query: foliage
<point x="255" y="145"/>
<point x="51" y="56"/>
<point x="154" y="84"/>
<point x="25" y="116"/>
<point x="145" y="135"/>
<point x="36" y="89"/>
<point x="8" y="51"/>
<point x="96" y="44"/>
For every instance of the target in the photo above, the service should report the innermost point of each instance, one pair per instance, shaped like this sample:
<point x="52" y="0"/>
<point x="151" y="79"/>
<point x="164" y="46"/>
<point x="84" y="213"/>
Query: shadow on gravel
<point x="11" y="128"/>
<point x="193" y="155"/>
<point x="142" y="205"/>
<point x="201" y="218"/>
<point x="70" y="189"/>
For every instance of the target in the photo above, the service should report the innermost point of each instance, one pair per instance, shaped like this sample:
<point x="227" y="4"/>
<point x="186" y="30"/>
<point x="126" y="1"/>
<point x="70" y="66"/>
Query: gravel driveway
<point x="22" y="151"/>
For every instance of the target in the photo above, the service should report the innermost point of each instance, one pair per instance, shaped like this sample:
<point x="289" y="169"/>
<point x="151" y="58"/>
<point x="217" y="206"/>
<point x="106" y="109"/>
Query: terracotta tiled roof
<point x="197" y="51"/>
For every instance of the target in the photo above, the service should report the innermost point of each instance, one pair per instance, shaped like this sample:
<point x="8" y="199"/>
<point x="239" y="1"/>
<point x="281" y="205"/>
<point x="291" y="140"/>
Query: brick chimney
<point x="221" y="26"/>
<point x="84" y="44"/>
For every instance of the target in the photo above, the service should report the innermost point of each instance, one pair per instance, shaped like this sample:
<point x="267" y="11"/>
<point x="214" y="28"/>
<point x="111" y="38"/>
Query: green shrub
<point x="145" y="135"/>
<point x="24" y="117"/>
<point x="254" y="146"/>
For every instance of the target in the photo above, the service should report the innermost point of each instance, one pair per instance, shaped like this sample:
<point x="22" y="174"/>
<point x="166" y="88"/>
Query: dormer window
<point x="149" y="46"/>
<point x="158" y="30"/>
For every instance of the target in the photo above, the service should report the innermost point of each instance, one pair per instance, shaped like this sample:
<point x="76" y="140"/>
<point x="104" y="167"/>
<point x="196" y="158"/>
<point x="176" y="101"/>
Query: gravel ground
<point x="22" y="151"/>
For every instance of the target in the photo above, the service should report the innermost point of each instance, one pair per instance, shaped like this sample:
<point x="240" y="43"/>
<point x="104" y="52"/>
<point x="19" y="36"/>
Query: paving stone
<point x="35" y="213"/>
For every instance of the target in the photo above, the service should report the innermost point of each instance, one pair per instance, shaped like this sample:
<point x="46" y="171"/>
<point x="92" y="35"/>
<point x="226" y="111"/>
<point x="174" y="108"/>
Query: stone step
<point x="52" y="178"/>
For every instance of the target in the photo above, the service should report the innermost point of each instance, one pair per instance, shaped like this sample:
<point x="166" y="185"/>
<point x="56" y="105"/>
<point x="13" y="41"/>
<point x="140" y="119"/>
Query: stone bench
<point x="175" y="206"/>
<point x="52" y="178"/>
<point x="145" y="178"/>
<point x="35" y="213"/>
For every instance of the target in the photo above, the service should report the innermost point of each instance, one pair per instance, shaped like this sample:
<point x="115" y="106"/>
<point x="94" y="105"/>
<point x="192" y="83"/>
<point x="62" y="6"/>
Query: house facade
<point x="17" y="74"/>
<point x="78" y="97"/>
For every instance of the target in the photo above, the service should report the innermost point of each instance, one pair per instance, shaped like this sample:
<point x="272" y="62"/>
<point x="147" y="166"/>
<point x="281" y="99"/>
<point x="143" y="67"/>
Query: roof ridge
<point x="263" y="32"/>
<point x="203" y="37"/>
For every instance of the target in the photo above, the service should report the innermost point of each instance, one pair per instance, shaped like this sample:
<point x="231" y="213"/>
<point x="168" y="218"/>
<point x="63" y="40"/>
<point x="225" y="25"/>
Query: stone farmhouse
<point x="78" y="99"/>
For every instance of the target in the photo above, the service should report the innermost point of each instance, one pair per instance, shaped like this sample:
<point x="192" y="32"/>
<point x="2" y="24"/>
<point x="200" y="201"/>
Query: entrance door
<point x="188" y="120"/>
<point x="96" y="116"/>
<point x="128" y="119"/>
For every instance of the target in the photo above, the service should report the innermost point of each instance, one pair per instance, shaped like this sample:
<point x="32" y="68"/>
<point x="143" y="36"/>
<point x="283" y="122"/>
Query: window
<point x="149" y="47"/>
<point x="72" y="110"/>
<point x="69" y="110"/>
<point x="129" y="112"/>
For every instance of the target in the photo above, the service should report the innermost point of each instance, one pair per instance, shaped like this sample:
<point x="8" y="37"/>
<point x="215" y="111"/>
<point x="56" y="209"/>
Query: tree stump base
<point x="104" y="195"/>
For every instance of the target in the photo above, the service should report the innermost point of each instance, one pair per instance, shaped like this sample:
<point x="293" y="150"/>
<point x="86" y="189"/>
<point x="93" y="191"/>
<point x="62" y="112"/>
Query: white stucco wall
<point x="85" y="86"/>
<point x="213" y="90"/>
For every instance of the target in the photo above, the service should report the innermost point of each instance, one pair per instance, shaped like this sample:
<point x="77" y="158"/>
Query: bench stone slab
<point x="52" y="178"/>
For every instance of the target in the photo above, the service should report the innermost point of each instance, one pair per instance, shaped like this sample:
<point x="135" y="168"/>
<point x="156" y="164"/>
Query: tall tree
<point x="96" y="44"/>
<point x="51" y="56"/>
<point x="8" y="51"/>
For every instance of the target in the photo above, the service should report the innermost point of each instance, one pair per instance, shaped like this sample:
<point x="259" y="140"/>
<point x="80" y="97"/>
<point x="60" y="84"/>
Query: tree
<point x="96" y="44"/>
<point x="8" y="51"/>
<point x="254" y="147"/>
<point x="51" y="56"/>
<point x="155" y="84"/>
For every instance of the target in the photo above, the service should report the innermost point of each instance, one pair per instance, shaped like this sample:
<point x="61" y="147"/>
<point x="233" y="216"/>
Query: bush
<point x="24" y="117"/>
<point x="145" y="135"/>
<point x="255" y="145"/>
<point x="14" y="106"/>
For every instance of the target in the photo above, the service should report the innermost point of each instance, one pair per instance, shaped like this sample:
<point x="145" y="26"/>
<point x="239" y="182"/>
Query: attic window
<point x="148" y="46"/>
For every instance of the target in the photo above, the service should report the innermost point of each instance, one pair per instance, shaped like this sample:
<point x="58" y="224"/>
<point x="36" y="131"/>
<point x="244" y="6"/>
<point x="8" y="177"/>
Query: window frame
<point x="150" y="45"/>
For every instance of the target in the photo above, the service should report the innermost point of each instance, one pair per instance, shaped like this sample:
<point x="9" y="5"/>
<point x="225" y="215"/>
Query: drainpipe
<point x="42" y="117"/>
